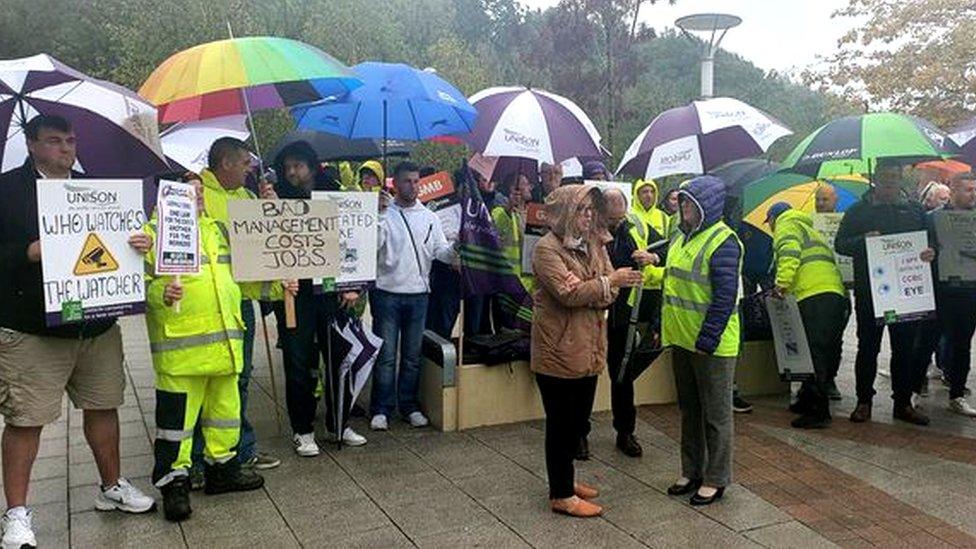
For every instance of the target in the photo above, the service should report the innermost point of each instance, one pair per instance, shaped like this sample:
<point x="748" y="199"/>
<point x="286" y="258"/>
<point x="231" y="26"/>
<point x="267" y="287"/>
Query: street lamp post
<point x="716" y="24"/>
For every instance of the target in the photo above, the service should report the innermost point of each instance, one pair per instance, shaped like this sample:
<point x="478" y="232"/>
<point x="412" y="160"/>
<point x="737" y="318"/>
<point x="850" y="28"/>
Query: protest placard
<point x="90" y="271"/>
<point x="283" y="239"/>
<point x="827" y="224"/>
<point x="789" y="339"/>
<point x="956" y="232"/>
<point x="901" y="283"/>
<point x="439" y="194"/>
<point x="358" y="226"/>
<point x="177" y="237"/>
<point x="535" y="228"/>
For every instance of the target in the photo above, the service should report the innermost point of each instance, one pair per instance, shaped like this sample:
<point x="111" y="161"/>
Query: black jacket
<point x="21" y="282"/>
<point x="865" y="216"/>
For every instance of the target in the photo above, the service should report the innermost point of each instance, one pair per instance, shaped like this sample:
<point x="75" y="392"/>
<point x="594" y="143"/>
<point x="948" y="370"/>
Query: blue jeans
<point x="397" y="318"/>
<point x="247" y="447"/>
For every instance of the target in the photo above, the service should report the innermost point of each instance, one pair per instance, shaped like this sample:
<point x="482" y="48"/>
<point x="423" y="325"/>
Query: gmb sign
<point x="283" y="239"/>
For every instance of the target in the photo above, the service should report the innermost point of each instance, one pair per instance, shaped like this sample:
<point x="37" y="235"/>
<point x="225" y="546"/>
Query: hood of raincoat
<point x="562" y="205"/>
<point x="795" y="216"/>
<point x="707" y="193"/>
<point x="376" y="167"/>
<point x="636" y="205"/>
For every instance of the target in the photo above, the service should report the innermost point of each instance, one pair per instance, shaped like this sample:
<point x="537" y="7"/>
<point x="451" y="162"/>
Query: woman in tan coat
<point x="575" y="284"/>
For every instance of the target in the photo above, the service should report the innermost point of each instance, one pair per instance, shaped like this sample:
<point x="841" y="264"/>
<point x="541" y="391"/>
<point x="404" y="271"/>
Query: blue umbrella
<point x="396" y="101"/>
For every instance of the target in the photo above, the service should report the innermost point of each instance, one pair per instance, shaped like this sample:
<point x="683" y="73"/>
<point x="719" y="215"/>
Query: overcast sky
<point x="775" y="34"/>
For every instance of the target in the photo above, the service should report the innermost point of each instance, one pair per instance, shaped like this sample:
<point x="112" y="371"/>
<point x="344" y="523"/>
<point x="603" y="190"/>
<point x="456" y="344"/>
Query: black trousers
<point x="903" y="364"/>
<point x="302" y="348"/>
<point x="824" y="320"/>
<point x="957" y="313"/>
<point x="568" y="403"/>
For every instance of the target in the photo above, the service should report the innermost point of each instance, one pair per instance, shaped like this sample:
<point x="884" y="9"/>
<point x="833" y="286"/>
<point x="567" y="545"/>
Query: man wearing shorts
<point x="37" y="363"/>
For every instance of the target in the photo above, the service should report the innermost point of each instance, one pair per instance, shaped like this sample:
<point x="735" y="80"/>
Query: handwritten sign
<point x="439" y="194"/>
<point x="178" y="237"/>
<point x="956" y="233"/>
<point x="789" y="339"/>
<point x="283" y="239"/>
<point x="536" y="227"/>
<point x="901" y="283"/>
<point x="827" y="224"/>
<point x="358" y="225"/>
<point x="90" y="271"/>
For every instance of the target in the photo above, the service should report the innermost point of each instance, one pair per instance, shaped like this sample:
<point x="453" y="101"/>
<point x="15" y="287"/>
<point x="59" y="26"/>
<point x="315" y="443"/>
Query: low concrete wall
<point x="506" y="393"/>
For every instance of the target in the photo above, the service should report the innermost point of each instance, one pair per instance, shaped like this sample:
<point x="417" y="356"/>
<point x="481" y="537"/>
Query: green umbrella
<point x="853" y="144"/>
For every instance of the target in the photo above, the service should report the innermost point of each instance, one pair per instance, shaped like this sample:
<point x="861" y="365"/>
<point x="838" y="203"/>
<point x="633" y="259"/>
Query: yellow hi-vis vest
<point x="688" y="291"/>
<point x="805" y="264"/>
<point x="206" y="338"/>
<point x="510" y="229"/>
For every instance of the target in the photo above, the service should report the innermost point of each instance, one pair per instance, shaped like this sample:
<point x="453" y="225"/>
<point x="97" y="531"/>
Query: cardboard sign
<point x="827" y="224"/>
<point x="536" y="227"/>
<point x="358" y="228"/>
<point x="956" y="233"/>
<point x="439" y="194"/>
<point x="901" y="283"/>
<point x="793" y="358"/>
<point x="178" y="237"/>
<point x="90" y="271"/>
<point x="283" y="239"/>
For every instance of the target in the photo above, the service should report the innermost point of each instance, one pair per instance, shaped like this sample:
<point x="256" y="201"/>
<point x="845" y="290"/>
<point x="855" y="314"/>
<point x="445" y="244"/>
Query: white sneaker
<point x="124" y="497"/>
<point x="349" y="437"/>
<point x="305" y="445"/>
<point x="379" y="423"/>
<point x="417" y="419"/>
<point x="18" y="532"/>
<point x="961" y="407"/>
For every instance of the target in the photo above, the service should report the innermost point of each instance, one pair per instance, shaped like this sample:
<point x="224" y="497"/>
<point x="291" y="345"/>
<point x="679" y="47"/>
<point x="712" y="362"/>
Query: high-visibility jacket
<point x="215" y="199"/>
<point x="205" y="338"/>
<point x="510" y="228"/>
<point x="805" y="264"/>
<point x="688" y="291"/>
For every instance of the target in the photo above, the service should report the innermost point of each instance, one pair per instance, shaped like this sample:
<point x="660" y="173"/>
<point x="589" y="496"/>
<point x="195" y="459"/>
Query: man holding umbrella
<point x="884" y="209"/>
<point x="37" y="363"/>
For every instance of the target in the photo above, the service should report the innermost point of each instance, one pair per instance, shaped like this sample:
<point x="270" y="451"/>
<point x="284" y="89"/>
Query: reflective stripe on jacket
<point x="805" y="264"/>
<point x="688" y="291"/>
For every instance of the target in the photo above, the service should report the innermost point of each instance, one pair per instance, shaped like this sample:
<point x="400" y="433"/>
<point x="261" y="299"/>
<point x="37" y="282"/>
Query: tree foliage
<point x="592" y="51"/>
<point x="917" y="57"/>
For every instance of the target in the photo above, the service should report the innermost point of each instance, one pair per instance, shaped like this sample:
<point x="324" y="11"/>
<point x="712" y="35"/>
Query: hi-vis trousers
<point x="180" y="401"/>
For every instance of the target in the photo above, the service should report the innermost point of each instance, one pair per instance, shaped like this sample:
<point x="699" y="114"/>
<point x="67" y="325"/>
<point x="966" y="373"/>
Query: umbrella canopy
<point x="330" y="147"/>
<point x="531" y="123"/>
<point x="799" y="191"/>
<point x="853" y="144"/>
<point x="186" y="144"/>
<point x="352" y="351"/>
<point x="117" y="131"/>
<point x="699" y="137"/>
<point x="944" y="169"/>
<point x="240" y="74"/>
<point x="396" y="101"/>
<point x="739" y="173"/>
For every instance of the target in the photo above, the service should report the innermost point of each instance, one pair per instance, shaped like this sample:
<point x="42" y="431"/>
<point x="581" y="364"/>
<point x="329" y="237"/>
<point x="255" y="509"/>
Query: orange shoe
<point x="585" y="491"/>
<point x="576" y="507"/>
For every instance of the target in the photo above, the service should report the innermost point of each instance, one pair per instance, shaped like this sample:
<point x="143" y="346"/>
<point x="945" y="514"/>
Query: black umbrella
<point x="330" y="147"/>
<point x="739" y="173"/>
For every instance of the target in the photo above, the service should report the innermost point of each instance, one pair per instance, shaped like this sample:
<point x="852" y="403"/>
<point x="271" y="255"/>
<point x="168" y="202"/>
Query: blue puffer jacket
<point x="708" y="194"/>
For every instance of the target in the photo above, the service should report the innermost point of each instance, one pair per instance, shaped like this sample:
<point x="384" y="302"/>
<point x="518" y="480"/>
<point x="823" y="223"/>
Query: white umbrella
<point x="187" y="143"/>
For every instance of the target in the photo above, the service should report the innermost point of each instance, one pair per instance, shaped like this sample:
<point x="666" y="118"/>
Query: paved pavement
<point x="851" y="485"/>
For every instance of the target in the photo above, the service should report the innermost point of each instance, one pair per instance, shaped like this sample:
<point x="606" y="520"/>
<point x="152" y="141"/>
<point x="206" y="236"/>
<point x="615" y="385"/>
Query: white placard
<point x="90" y="271"/>
<point x="901" y="283"/>
<point x="956" y="232"/>
<point x="358" y="227"/>
<point x="793" y="358"/>
<point x="827" y="224"/>
<point x="178" y="235"/>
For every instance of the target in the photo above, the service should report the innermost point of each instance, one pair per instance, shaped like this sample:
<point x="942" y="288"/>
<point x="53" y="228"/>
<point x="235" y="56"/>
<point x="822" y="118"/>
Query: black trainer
<point x="230" y="477"/>
<point x="629" y="446"/>
<point x="176" y="499"/>
<point x="740" y="406"/>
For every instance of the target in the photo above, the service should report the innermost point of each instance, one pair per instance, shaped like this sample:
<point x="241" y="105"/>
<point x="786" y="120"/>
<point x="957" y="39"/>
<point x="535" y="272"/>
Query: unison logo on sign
<point x="87" y="195"/>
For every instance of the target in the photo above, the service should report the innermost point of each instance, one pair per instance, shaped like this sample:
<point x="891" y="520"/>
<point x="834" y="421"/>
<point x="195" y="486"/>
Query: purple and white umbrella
<point x="531" y="123"/>
<point x="699" y="137"/>
<point x="965" y="137"/>
<point x="118" y="135"/>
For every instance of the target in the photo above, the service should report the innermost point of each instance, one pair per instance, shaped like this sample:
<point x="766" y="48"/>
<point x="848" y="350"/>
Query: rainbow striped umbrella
<point x="239" y="75"/>
<point x="799" y="191"/>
